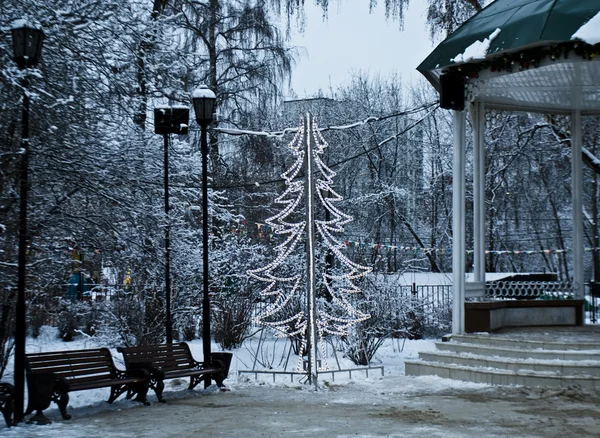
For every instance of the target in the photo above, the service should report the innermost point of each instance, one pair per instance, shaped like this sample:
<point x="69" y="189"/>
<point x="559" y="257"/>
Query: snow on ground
<point x="391" y="355"/>
<point x="393" y="405"/>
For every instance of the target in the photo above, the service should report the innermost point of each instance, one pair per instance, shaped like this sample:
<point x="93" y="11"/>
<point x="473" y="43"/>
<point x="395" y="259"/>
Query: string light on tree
<point x="294" y="310"/>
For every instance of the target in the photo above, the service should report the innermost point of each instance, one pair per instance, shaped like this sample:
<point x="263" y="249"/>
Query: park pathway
<point x="401" y="407"/>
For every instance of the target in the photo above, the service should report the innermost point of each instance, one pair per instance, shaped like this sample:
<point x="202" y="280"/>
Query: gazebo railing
<point x="529" y="289"/>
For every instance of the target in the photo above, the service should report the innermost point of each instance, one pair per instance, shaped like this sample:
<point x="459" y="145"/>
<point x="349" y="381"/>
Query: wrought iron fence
<point x="431" y="305"/>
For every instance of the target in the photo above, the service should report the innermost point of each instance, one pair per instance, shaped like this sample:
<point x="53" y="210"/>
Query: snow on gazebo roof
<point x="531" y="55"/>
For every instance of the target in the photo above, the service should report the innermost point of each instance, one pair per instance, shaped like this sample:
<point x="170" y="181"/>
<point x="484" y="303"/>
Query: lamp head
<point x="27" y="43"/>
<point x="204" y="100"/>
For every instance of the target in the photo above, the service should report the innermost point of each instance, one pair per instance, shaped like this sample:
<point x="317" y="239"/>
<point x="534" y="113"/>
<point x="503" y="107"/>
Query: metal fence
<point x="434" y="302"/>
<point x="545" y="290"/>
<point x="529" y="289"/>
<point x="431" y="305"/>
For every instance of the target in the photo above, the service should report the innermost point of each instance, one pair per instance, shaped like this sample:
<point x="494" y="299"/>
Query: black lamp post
<point x="169" y="120"/>
<point x="27" y="46"/>
<point x="204" y="104"/>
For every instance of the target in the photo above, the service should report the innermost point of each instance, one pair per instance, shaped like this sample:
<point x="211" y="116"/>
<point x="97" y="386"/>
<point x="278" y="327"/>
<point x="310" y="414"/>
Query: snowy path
<point x="395" y="405"/>
<point x="390" y="406"/>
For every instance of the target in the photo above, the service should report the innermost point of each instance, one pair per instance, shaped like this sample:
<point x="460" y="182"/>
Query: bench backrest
<point x="167" y="356"/>
<point x="75" y="365"/>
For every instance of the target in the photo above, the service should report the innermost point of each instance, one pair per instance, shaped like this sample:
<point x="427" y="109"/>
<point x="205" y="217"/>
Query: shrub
<point x="231" y="319"/>
<point x="36" y="319"/>
<point x="185" y="324"/>
<point x="131" y="319"/>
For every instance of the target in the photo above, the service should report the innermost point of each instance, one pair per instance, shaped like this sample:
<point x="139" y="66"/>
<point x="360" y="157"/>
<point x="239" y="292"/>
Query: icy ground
<point x="392" y="405"/>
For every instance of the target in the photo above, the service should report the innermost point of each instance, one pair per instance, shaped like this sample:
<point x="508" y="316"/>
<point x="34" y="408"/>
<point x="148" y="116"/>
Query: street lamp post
<point x="169" y="120"/>
<point x="27" y="46"/>
<point x="204" y="101"/>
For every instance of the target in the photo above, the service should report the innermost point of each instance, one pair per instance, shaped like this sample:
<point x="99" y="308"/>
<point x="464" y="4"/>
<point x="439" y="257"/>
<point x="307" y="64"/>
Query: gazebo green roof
<point x="548" y="69"/>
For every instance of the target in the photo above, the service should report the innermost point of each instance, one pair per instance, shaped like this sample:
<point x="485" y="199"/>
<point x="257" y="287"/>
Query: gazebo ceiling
<point x="554" y="88"/>
<point x="522" y="55"/>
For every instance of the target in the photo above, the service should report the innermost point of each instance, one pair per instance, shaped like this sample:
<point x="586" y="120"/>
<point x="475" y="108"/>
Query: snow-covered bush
<point x="73" y="317"/>
<point x="438" y="323"/>
<point x="36" y="318"/>
<point x="395" y="312"/>
<point x="233" y="297"/>
<point x="231" y="319"/>
<point x="130" y="319"/>
<point x="185" y="324"/>
<point x="363" y="342"/>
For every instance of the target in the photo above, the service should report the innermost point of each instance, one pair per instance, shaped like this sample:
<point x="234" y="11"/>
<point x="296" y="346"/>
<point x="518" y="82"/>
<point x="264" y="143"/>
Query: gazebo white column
<point x="577" y="203"/>
<point x="478" y="109"/>
<point x="458" y="223"/>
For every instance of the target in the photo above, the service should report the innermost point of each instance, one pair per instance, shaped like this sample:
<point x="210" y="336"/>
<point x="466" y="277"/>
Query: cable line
<point x="339" y="163"/>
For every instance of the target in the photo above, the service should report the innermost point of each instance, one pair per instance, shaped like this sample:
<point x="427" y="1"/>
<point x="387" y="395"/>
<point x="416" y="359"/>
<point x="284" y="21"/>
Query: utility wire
<point x="279" y="134"/>
<point x="365" y="152"/>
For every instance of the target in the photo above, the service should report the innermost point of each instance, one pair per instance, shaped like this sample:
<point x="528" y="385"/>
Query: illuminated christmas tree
<point x="294" y="308"/>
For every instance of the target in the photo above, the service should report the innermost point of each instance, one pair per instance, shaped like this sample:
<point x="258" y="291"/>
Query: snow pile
<point x="590" y="31"/>
<point x="477" y="50"/>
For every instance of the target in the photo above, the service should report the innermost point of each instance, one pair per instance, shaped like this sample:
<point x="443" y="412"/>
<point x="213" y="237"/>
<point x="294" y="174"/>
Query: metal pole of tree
<point x="27" y="44"/>
<point x="312" y="366"/>
<point x="204" y="103"/>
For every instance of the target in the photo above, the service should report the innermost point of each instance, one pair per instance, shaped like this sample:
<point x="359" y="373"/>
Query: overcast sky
<point x="352" y="39"/>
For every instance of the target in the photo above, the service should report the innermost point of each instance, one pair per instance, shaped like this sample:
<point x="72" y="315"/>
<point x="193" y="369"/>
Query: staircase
<point x="504" y="361"/>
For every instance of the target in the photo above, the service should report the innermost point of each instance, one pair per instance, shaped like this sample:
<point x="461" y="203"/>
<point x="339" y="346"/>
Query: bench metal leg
<point x="194" y="380"/>
<point x="8" y="410"/>
<point x="62" y="400"/>
<point x="116" y="391"/>
<point x="159" y="386"/>
<point x="39" y="418"/>
<point x="8" y="405"/>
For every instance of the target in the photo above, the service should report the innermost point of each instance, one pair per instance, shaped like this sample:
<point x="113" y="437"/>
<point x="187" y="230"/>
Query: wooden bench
<point x="171" y="361"/>
<point x="7" y="402"/>
<point x="52" y="375"/>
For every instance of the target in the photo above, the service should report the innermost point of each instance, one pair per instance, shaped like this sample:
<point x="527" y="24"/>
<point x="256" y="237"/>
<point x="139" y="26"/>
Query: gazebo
<point x="520" y="55"/>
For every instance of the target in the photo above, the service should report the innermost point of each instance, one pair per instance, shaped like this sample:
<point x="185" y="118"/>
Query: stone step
<point x="525" y="344"/>
<point x="561" y="367"/>
<point x="518" y="353"/>
<point x="493" y="376"/>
